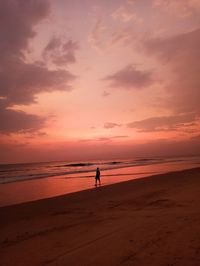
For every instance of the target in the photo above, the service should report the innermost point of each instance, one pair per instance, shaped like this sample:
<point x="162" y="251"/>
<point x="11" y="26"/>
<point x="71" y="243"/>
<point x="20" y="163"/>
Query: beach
<point x="147" y="221"/>
<point x="24" y="183"/>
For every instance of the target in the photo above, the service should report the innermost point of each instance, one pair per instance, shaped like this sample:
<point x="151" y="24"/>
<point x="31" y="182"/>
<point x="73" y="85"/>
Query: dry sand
<point x="149" y="221"/>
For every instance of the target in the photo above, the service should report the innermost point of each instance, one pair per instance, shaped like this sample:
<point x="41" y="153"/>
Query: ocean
<point x="20" y="172"/>
<point x="32" y="181"/>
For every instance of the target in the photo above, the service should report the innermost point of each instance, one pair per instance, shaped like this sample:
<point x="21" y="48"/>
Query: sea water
<point x="33" y="181"/>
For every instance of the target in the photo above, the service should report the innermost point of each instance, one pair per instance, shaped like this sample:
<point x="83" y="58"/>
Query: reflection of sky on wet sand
<point x="24" y="191"/>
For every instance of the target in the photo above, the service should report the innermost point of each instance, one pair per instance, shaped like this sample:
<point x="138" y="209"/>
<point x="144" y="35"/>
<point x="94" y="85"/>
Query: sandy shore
<point x="150" y="221"/>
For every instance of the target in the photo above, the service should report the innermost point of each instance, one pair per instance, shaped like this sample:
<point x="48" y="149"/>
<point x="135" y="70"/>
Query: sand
<point x="150" y="221"/>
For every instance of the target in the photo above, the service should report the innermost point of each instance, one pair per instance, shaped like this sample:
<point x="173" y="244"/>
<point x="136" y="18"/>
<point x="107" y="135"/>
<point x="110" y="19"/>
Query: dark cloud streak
<point x="13" y="121"/>
<point x="60" y="52"/>
<point x="20" y="81"/>
<point x="109" y="125"/>
<point x="130" y="78"/>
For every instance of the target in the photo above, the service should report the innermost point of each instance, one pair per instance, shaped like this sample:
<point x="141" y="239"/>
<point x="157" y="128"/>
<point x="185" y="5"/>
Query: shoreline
<point x="149" y="221"/>
<point x="35" y="189"/>
<point x="113" y="165"/>
<point x="73" y="194"/>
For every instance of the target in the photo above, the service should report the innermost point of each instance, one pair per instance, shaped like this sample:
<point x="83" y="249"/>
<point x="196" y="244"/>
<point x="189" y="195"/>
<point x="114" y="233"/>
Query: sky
<point x="99" y="79"/>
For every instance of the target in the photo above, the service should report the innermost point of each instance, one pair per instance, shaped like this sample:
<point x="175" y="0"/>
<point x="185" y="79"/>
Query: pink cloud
<point x="163" y="123"/>
<point x="125" y="14"/>
<point x="183" y="8"/>
<point x="111" y="125"/>
<point x="60" y="52"/>
<point x="13" y="121"/>
<point x="96" y="36"/>
<point x="180" y="55"/>
<point x="105" y="94"/>
<point x="20" y="81"/>
<point x="130" y="78"/>
<point x="17" y="21"/>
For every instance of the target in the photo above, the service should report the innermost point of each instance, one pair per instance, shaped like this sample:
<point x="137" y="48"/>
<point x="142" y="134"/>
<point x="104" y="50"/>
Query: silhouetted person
<point x="97" y="177"/>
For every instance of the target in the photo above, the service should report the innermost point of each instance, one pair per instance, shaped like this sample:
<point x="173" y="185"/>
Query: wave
<point x="16" y="173"/>
<point x="107" y="166"/>
<point x="89" y="164"/>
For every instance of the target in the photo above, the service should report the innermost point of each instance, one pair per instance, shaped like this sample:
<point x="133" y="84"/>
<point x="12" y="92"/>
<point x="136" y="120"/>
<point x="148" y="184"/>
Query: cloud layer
<point x="179" y="54"/>
<point x="163" y="123"/>
<point x="111" y="125"/>
<point x="59" y="52"/>
<point x="130" y="78"/>
<point x="20" y="81"/>
<point x="183" y="8"/>
<point x="18" y="121"/>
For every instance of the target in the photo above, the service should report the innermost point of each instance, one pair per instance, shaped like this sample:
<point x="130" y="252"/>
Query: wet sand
<point x="149" y="221"/>
<point x="36" y="189"/>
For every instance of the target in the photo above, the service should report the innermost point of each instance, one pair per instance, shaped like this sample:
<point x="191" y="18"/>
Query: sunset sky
<point x="99" y="79"/>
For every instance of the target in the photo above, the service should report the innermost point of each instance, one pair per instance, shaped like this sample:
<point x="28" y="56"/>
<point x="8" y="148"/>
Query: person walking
<point x="97" y="177"/>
